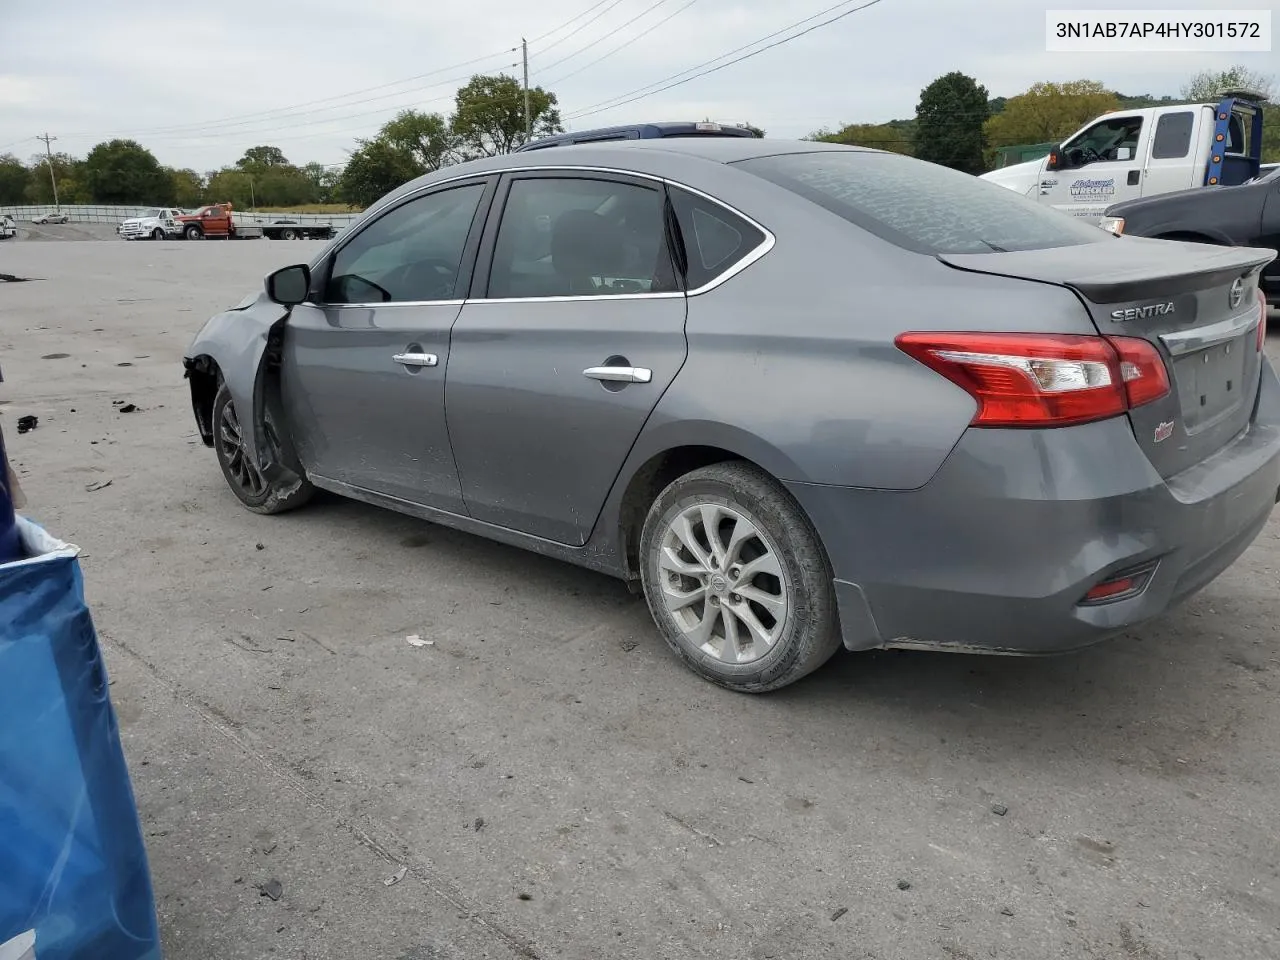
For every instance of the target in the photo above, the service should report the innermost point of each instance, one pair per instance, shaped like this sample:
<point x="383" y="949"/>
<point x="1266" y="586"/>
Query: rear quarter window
<point x="922" y="206"/>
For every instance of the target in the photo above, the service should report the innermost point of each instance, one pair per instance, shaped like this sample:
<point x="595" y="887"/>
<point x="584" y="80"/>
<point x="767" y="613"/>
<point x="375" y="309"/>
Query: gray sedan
<point x="802" y="396"/>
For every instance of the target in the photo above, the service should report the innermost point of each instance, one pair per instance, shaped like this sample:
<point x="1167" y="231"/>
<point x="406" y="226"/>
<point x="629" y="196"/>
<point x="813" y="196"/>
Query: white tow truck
<point x="8" y="227"/>
<point x="156" y="224"/>
<point x="1139" y="153"/>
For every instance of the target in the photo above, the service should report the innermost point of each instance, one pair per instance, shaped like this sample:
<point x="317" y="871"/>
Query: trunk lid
<point x="1182" y="299"/>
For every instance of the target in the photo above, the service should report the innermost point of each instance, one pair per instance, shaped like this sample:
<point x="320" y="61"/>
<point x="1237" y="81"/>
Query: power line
<point x="604" y="36"/>
<point x="622" y="46"/>
<point x="640" y="94"/>
<point x="265" y="114"/>
<point x="541" y="37"/>
<point x="580" y="27"/>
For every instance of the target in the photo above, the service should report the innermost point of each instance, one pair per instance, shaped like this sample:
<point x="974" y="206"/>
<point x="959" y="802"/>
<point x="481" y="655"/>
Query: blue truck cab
<point x="639" y="131"/>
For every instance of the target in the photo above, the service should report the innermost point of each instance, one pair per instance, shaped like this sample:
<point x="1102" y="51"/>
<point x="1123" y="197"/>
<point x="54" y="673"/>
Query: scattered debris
<point x="999" y="809"/>
<point x="479" y="824"/>
<point x="745" y="780"/>
<point x="839" y="913"/>
<point x="1007" y="911"/>
<point x="271" y="849"/>
<point x="904" y="884"/>
<point x="97" y="485"/>
<point x="396" y="877"/>
<point x="272" y="888"/>
<point x="628" y="644"/>
<point x="125" y="364"/>
<point x="27" y="423"/>
<point x="259" y="546"/>
<point x="417" y="641"/>
<point x="55" y="356"/>
<point x="525" y="896"/>
<point x="10" y="278"/>
<point x="128" y="408"/>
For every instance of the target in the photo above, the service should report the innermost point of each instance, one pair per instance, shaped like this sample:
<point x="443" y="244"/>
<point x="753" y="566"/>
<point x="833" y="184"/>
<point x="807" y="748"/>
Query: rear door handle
<point x="416" y="359"/>
<point x="619" y="374"/>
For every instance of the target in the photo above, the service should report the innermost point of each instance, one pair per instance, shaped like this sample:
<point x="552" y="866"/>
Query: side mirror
<point x="1055" y="159"/>
<point x="1124" y="153"/>
<point x="289" y="286"/>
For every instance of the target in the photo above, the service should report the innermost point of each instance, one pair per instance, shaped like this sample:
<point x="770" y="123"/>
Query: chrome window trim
<point x="757" y="252"/>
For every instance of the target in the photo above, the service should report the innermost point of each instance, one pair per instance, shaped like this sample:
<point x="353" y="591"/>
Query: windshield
<point x="922" y="206"/>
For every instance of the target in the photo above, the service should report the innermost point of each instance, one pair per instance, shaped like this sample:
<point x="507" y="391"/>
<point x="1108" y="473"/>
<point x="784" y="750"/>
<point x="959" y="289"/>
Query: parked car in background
<point x="157" y="223"/>
<point x="1243" y="216"/>
<point x="8" y="227"/>
<point x="800" y="395"/>
<point x="51" y="218"/>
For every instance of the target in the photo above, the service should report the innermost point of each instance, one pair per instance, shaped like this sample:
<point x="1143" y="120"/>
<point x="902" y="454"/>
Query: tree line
<point x="956" y="123"/>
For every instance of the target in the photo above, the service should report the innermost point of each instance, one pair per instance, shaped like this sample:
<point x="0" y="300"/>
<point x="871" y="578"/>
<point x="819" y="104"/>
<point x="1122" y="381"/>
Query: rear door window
<point x="716" y="240"/>
<point x="922" y="206"/>
<point x="1173" y="136"/>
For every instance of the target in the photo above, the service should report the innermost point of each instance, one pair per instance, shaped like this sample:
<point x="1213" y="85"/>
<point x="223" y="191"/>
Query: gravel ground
<point x="555" y="783"/>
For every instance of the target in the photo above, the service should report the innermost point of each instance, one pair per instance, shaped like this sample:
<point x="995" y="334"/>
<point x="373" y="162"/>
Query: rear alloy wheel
<point x="193" y="232"/>
<point x="737" y="580"/>
<point x="231" y="444"/>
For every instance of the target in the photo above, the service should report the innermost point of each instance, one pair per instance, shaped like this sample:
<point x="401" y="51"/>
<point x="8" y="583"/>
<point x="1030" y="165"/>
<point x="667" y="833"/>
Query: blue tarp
<point x="73" y="868"/>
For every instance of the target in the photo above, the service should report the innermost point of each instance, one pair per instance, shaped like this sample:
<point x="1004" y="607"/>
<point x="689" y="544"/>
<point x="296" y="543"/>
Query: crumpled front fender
<point x="240" y="342"/>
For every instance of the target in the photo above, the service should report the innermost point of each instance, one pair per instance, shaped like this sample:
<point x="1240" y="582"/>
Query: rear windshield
<point x="922" y="206"/>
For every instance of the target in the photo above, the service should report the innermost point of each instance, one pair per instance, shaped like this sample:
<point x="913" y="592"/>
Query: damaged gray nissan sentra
<point x="801" y="395"/>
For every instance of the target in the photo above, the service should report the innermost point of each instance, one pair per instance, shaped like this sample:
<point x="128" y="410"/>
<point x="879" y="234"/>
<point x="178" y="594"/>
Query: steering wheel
<point x="434" y="275"/>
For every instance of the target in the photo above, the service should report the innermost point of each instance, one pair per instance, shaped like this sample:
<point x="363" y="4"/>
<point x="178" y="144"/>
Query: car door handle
<point x="416" y="359"/>
<point x="619" y="374"/>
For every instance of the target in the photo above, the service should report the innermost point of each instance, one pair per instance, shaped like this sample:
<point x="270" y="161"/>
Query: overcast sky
<point x="197" y="83"/>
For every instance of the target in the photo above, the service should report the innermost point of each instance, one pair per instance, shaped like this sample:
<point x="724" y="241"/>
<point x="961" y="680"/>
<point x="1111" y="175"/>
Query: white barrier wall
<point x="99" y="213"/>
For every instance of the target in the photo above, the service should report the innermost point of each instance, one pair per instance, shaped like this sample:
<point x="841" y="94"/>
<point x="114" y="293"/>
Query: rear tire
<point x="288" y="235"/>
<point x="240" y="469"/>
<point x="737" y="580"/>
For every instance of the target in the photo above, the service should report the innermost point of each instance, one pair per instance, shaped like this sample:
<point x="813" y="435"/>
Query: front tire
<point x="240" y="468"/>
<point x="193" y="233"/>
<point x="157" y="234"/>
<point x="737" y="580"/>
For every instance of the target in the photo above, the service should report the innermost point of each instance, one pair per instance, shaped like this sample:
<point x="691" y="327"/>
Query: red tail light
<point x="1043" y="380"/>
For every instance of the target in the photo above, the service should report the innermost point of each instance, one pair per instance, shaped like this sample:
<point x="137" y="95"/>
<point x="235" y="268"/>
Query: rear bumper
<point x="996" y="552"/>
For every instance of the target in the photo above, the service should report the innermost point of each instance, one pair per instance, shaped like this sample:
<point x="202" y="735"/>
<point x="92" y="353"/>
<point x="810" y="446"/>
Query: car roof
<point x="652" y="130"/>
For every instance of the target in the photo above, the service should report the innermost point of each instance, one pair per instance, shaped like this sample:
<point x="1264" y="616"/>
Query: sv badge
<point x="1164" y="431"/>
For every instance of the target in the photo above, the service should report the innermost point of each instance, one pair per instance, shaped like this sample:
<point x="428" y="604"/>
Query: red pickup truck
<point x="215" y="220"/>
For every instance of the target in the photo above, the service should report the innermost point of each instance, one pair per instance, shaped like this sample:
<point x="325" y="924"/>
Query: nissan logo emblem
<point x="1236" y="294"/>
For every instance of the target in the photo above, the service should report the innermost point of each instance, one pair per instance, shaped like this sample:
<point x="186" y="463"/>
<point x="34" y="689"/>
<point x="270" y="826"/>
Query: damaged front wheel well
<point x="204" y="376"/>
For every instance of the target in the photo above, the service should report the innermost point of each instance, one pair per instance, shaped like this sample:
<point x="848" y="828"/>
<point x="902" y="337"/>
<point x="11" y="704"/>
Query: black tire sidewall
<point x="806" y="640"/>
<point x="220" y="403"/>
<point x="193" y="233"/>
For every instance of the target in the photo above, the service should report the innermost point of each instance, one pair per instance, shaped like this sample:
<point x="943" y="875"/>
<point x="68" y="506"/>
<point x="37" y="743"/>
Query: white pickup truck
<point x="8" y="227"/>
<point x="156" y="224"/>
<point x="1139" y="153"/>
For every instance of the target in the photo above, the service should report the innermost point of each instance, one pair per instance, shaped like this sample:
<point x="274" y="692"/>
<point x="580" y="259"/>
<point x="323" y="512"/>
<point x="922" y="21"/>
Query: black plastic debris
<point x="27" y="423"/>
<point x="128" y="408"/>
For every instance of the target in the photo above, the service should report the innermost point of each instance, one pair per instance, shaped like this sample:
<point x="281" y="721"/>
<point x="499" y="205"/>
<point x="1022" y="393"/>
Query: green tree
<point x="234" y="186"/>
<point x="261" y="157"/>
<point x="878" y="136"/>
<point x="1049" y="112"/>
<point x="374" y="170"/>
<point x="427" y="137"/>
<point x="324" y="181"/>
<point x="1208" y="85"/>
<point x="70" y="175"/>
<point x="14" y="180"/>
<point x="489" y="116"/>
<point x="123" y="171"/>
<point x="949" y="119"/>
<point x="188" y="188"/>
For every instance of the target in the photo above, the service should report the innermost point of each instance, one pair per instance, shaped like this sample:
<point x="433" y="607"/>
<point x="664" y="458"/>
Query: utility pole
<point x="52" y="178"/>
<point x="528" y="118"/>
